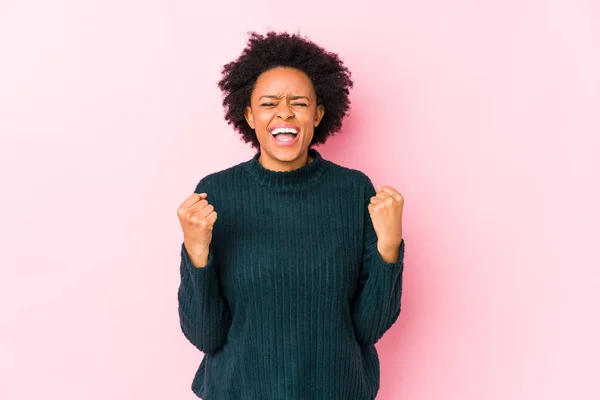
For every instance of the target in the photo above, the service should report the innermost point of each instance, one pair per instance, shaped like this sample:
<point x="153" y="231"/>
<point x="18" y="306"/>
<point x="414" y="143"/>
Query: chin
<point x="286" y="154"/>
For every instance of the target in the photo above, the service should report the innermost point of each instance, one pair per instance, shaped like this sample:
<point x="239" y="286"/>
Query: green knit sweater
<point x="295" y="294"/>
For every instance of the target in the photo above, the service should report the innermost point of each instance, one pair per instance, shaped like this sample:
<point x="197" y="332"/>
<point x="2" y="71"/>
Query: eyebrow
<point x="270" y="96"/>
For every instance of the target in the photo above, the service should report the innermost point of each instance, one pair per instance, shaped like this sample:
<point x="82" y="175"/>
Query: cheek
<point x="310" y="119"/>
<point x="263" y="118"/>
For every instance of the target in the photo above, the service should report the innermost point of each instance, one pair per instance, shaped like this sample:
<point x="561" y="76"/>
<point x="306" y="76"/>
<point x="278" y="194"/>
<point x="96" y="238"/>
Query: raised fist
<point x="197" y="218"/>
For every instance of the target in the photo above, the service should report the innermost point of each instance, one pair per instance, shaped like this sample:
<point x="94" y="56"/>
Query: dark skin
<point x="286" y="97"/>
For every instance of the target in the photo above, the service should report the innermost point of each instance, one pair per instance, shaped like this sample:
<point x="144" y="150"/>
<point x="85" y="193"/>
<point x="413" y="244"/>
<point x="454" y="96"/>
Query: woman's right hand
<point x="197" y="218"/>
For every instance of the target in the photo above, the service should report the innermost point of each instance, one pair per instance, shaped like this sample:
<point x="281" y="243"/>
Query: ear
<point x="249" y="117"/>
<point x="319" y="112"/>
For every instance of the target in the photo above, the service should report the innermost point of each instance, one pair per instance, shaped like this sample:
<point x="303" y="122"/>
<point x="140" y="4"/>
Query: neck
<point x="284" y="166"/>
<point x="313" y="169"/>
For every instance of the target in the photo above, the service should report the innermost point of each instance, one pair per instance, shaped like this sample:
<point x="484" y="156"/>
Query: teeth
<point x="284" y="130"/>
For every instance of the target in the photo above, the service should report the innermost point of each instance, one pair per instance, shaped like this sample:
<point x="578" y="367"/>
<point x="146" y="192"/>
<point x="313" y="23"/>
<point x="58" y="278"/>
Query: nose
<point x="284" y="111"/>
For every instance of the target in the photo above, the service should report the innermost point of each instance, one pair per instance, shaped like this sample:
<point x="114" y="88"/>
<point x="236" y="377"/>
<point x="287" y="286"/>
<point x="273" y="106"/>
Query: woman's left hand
<point x="385" y="210"/>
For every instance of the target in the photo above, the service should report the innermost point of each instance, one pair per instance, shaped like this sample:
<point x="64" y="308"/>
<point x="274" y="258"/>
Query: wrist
<point x="389" y="253"/>
<point x="198" y="254"/>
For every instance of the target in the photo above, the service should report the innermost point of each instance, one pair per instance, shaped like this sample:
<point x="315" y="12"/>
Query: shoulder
<point x="218" y="178"/>
<point x="350" y="176"/>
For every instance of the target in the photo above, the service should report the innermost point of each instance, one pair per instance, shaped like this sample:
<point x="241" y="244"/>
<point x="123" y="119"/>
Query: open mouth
<point x="285" y="135"/>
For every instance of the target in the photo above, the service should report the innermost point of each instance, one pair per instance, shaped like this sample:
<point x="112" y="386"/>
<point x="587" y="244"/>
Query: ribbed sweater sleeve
<point x="204" y="315"/>
<point x="377" y="303"/>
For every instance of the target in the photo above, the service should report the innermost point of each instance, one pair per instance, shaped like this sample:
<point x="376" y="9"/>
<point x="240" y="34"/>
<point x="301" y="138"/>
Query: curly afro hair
<point x="330" y="78"/>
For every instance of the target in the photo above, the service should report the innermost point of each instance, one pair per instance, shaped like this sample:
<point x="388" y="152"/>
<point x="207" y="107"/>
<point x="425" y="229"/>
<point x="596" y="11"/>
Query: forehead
<point x="279" y="81"/>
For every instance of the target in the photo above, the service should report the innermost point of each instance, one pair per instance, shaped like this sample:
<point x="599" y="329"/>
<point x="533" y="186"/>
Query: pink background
<point x="484" y="114"/>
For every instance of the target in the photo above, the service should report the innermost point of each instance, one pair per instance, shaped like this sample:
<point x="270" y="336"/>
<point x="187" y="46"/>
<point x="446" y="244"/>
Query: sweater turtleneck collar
<point x="300" y="176"/>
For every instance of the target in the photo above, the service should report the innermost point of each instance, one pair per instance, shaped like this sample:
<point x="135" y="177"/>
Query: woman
<point x="288" y="290"/>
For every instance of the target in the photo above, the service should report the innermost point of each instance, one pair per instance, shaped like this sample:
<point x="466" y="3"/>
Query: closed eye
<point x="293" y="104"/>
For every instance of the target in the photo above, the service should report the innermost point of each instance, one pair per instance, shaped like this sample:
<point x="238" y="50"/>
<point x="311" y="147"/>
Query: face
<point x="283" y="112"/>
